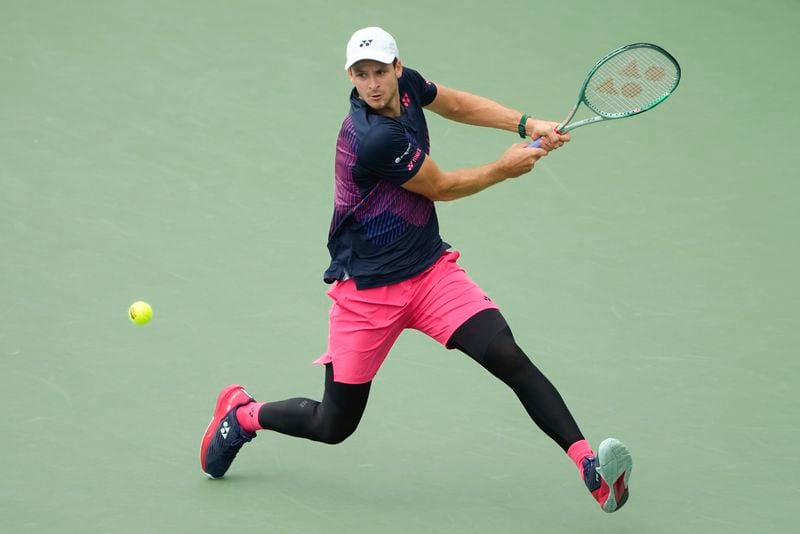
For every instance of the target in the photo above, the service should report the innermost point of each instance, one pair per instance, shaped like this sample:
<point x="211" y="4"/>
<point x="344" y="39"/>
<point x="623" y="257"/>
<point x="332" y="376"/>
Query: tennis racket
<point x="626" y="82"/>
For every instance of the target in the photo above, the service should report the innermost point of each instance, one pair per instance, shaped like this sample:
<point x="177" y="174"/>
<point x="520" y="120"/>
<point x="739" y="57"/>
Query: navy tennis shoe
<point x="607" y="474"/>
<point x="224" y="436"/>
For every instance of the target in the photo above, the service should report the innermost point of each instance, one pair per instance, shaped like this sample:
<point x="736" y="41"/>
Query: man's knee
<point x="504" y="358"/>
<point x="335" y="433"/>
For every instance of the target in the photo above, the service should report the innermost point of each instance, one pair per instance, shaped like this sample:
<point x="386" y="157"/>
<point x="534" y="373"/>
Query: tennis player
<point x="390" y="270"/>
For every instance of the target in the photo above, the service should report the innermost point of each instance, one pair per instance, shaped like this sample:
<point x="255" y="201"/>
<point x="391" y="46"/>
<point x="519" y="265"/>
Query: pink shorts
<point x="365" y="324"/>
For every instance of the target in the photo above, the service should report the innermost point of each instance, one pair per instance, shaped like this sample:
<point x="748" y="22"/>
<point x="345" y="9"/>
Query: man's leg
<point x="238" y="416"/>
<point x="487" y="339"/>
<point x="360" y="335"/>
<point x="499" y="354"/>
<point x="331" y="421"/>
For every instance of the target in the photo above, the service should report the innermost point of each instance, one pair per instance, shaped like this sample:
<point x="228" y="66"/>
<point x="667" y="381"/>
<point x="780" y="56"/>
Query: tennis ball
<point x="140" y="312"/>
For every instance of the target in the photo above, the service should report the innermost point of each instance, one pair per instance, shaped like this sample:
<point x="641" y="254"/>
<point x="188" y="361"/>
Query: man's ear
<point x="398" y="67"/>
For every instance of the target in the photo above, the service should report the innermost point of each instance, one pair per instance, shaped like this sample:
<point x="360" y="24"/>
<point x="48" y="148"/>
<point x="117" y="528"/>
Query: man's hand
<point x="519" y="159"/>
<point x="551" y="140"/>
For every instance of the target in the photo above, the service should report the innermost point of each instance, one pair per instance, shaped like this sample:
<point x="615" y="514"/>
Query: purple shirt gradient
<point x="381" y="233"/>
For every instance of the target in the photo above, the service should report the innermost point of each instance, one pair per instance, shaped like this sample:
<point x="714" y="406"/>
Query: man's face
<point x="376" y="84"/>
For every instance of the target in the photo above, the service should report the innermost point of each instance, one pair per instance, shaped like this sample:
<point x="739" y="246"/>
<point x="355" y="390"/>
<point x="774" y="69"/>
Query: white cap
<point x="371" y="43"/>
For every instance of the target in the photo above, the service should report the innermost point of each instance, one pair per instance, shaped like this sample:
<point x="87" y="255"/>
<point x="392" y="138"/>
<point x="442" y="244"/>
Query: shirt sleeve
<point x="387" y="153"/>
<point x="425" y="89"/>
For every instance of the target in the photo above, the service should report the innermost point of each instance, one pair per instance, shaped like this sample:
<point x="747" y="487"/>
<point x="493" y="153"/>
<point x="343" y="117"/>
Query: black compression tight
<point x="330" y="421"/>
<point x="485" y="337"/>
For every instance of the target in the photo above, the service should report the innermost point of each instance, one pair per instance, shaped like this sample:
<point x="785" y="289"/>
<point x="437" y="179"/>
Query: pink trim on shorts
<point x="364" y="324"/>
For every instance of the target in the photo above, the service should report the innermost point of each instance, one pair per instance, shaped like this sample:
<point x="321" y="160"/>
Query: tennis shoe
<point x="607" y="474"/>
<point x="224" y="436"/>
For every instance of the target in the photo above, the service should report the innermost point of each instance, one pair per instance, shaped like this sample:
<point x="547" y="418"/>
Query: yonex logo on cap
<point x="365" y="43"/>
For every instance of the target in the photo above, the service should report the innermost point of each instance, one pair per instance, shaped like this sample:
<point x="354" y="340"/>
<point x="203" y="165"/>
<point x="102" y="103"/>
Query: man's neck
<point x="392" y="112"/>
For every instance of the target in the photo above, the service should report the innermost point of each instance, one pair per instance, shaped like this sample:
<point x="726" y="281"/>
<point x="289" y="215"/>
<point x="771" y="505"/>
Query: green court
<point x="181" y="152"/>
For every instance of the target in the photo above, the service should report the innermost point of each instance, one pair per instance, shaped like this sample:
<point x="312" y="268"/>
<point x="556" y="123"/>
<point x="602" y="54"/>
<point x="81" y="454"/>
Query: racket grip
<point x="536" y="143"/>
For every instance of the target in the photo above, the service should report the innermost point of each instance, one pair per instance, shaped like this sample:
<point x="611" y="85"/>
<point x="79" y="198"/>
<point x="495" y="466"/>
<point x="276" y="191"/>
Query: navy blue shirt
<point x="381" y="233"/>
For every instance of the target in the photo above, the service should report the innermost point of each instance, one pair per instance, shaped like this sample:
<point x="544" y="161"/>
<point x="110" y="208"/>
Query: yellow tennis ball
<point x="140" y="312"/>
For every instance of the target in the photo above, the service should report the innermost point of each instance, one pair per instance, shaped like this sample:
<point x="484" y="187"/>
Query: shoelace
<point x="231" y="446"/>
<point x="590" y="475"/>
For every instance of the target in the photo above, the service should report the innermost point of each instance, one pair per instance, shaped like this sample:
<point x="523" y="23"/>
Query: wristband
<point x="521" y="127"/>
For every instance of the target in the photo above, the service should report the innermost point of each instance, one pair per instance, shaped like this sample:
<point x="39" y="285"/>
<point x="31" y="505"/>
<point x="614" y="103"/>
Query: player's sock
<point x="247" y="416"/>
<point x="578" y="451"/>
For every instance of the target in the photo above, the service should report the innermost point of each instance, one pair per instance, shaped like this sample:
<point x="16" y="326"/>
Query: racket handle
<point x="537" y="143"/>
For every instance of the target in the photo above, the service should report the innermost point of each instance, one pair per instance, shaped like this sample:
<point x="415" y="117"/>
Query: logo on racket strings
<point x="631" y="71"/>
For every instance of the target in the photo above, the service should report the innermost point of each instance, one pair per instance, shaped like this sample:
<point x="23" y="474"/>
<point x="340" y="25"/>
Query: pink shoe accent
<point x="619" y="489"/>
<point x="247" y="416"/>
<point x="601" y="495"/>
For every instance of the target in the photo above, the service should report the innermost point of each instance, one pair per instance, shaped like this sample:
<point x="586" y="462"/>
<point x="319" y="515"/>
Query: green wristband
<point x="521" y="128"/>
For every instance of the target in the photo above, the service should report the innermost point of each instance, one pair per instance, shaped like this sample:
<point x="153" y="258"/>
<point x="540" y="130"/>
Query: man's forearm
<point x="478" y="111"/>
<point x="464" y="182"/>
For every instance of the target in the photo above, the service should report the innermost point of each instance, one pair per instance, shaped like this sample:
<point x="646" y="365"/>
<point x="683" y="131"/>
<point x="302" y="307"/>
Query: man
<point x="391" y="270"/>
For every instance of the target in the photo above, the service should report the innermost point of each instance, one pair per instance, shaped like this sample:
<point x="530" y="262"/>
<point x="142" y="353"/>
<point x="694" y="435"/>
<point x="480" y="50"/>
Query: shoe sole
<point x="615" y="469"/>
<point x="224" y="397"/>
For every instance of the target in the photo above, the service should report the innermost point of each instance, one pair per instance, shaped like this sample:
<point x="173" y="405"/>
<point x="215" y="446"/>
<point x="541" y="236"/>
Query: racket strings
<point x="632" y="81"/>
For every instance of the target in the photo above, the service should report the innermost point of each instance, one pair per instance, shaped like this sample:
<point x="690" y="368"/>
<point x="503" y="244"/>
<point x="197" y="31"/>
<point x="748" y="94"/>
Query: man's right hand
<point x="519" y="159"/>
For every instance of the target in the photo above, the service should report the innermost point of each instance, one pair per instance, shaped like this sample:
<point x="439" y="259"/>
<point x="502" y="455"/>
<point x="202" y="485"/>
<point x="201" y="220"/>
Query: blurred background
<point x="182" y="153"/>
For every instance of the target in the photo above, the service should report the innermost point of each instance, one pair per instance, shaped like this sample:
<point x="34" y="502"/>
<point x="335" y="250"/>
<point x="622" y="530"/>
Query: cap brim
<point x="382" y="58"/>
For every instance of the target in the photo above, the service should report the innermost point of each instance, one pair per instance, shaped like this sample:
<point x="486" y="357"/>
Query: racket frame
<point x="565" y="127"/>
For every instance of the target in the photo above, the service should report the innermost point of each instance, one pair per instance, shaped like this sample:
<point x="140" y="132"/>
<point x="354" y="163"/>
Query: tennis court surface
<point x="182" y="153"/>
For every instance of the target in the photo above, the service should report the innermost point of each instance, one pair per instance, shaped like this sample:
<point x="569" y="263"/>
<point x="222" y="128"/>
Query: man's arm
<point x="476" y="110"/>
<point x="435" y="184"/>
